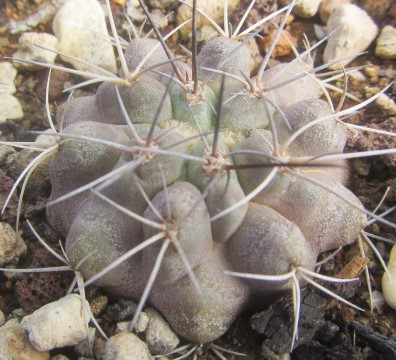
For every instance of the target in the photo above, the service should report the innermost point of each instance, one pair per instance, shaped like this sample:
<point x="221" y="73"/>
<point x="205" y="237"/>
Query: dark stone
<point x="121" y="311"/>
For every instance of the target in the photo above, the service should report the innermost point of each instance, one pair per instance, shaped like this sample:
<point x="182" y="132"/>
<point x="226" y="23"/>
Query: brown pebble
<point x="377" y="9"/>
<point x="58" y="79"/>
<point x="372" y="70"/>
<point x="98" y="304"/>
<point x="283" y="46"/>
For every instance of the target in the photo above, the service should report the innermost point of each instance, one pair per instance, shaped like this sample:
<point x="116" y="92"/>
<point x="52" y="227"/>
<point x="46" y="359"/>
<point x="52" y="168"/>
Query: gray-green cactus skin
<point x="187" y="179"/>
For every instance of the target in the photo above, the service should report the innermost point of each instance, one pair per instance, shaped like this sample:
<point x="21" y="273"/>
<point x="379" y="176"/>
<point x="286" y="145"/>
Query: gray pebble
<point x="7" y="76"/>
<point x="57" y="324"/>
<point x="304" y="8"/>
<point x="351" y="31"/>
<point x="122" y="310"/>
<point x="80" y="26"/>
<point x="10" y="108"/>
<point x="126" y="346"/>
<point x="30" y="48"/>
<point x="386" y="43"/>
<point x="160" y="338"/>
<point x="11" y="245"/>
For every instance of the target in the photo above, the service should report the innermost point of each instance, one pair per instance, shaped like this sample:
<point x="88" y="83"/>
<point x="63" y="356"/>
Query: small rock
<point x="7" y="77"/>
<point x="386" y="104"/>
<point x="80" y="26"/>
<point x="327" y="333"/>
<point x="320" y="31"/>
<point x="352" y="32"/>
<point x="327" y="7"/>
<point x="135" y="14"/>
<point x="304" y="8"/>
<point x="47" y="138"/>
<point x="10" y="323"/>
<point x="29" y="50"/>
<point x="372" y="71"/>
<point x="98" y="304"/>
<point x="15" y="345"/>
<point x="140" y="326"/>
<point x="206" y="33"/>
<point x="122" y="310"/>
<point x="11" y="245"/>
<point x="59" y="357"/>
<point x="214" y="9"/>
<point x="99" y="347"/>
<point x="18" y="313"/>
<point x="2" y="318"/>
<point x="57" y="324"/>
<point x="84" y="348"/>
<point x="12" y="275"/>
<point x="56" y="85"/>
<point x="357" y="75"/>
<point x="126" y="346"/>
<point x="159" y="18"/>
<point x="284" y="45"/>
<point x="361" y="166"/>
<point x="386" y="43"/>
<point x="42" y="15"/>
<point x="376" y="8"/>
<point x="122" y="326"/>
<point x="378" y="301"/>
<point x="160" y="338"/>
<point x="5" y="150"/>
<point x="10" y="108"/>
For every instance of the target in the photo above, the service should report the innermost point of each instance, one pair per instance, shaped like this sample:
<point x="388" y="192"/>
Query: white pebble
<point x="304" y="8"/>
<point x="140" y="326"/>
<point x="30" y="48"/>
<point x="47" y="138"/>
<point x="160" y="338"/>
<point x="320" y="31"/>
<point x="357" y="75"/>
<point x="80" y="28"/>
<point x="378" y="301"/>
<point x="10" y="108"/>
<point x="11" y="245"/>
<point x="7" y="76"/>
<point x="352" y="32"/>
<point x="214" y="9"/>
<point x="84" y="348"/>
<point x="15" y="345"/>
<point x="57" y="324"/>
<point x="126" y="346"/>
<point x="327" y="7"/>
<point x="386" y="43"/>
<point x="2" y="318"/>
<point x="59" y="357"/>
<point x="386" y="104"/>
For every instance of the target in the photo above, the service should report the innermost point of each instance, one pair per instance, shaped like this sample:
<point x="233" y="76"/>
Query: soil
<point x="328" y="328"/>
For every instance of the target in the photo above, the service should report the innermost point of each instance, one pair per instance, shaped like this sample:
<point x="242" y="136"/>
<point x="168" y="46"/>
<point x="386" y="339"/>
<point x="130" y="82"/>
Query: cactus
<point x="185" y="193"/>
<point x="179" y="184"/>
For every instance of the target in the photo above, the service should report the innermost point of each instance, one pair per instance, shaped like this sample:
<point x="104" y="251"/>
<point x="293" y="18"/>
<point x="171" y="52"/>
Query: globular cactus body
<point x="180" y="179"/>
